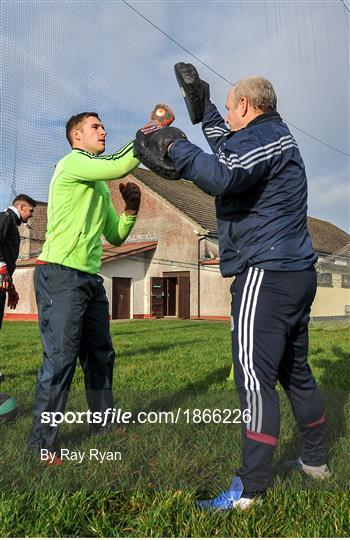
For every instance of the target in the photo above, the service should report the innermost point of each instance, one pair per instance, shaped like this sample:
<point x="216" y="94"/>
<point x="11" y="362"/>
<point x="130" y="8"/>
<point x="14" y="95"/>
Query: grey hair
<point x="259" y="91"/>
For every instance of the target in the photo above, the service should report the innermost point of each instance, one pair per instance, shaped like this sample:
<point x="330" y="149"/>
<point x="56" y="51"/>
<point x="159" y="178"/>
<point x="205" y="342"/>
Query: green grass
<point x="164" y="365"/>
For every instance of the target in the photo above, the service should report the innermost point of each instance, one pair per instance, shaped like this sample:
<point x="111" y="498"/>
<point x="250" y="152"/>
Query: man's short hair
<point x="24" y="198"/>
<point x="74" y="122"/>
<point x="259" y="91"/>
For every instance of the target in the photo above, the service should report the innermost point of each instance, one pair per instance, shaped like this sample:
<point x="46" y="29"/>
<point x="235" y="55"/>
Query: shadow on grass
<point x="167" y="402"/>
<point x="156" y="349"/>
<point x="334" y="384"/>
<point x="168" y="327"/>
<point x="21" y="374"/>
<point x="171" y="401"/>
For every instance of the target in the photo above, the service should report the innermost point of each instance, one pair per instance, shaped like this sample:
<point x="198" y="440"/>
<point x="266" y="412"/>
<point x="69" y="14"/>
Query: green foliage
<point x="164" y="468"/>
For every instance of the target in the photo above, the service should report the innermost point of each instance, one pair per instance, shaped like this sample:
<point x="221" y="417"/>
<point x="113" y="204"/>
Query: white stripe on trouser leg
<point x="243" y="313"/>
<point x="256" y="422"/>
<point x="246" y="335"/>
<point x="240" y="346"/>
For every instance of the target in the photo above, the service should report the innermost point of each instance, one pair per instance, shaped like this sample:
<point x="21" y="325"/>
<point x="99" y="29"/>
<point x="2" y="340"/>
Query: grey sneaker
<point x="320" y="473"/>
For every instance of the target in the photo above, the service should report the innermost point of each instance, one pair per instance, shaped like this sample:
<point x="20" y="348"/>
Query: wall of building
<point x="23" y="279"/>
<point x="133" y="268"/>
<point x="177" y="241"/>
<point x="177" y="251"/>
<point x="129" y="268"/>
<point x="32" y="237"/>
<point x="330" y="302"/>
<point x="215" y="290"/>
<point x="215" y="293"/>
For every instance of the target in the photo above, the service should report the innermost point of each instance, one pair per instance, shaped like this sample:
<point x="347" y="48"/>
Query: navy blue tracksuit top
<point x="258" y="178"/>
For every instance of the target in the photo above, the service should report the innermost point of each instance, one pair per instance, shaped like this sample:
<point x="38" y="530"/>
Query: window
<point x="341" y="262"/>
<point x="345" y="281"/>
<point x="324" y="279"/>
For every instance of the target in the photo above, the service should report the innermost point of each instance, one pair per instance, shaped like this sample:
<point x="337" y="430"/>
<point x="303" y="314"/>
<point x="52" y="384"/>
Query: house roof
<point x="109" y="253"/>
<point x="22" y="263"/>
<point x="184" y="195"/>
<point x="189" y="199"/>
<point x="210" y="262"/>
<point x="326" y="237"/>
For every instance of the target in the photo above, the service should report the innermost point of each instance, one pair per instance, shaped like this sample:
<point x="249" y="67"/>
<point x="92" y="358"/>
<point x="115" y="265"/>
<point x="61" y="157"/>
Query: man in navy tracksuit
<point x="257" y="176"/>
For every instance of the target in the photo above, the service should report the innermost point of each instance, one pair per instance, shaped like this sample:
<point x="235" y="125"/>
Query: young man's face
<point x="26" y="211"/>
<point x="90" y="136"/>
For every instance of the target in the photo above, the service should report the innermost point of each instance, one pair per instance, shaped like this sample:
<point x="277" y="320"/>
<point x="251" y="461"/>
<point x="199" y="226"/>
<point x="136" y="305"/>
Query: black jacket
<point x="9" y="239"/>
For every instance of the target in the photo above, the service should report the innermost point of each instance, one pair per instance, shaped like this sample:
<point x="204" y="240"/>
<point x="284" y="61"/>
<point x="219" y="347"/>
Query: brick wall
<point x="158" y="220"/>
<point x="177" y="251"/>
<point x="177" y="241"/>
<point x="32" y="237"/>
<point x="23" y="279"/>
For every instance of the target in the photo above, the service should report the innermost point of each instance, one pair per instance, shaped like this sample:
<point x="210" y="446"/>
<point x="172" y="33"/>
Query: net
<point x="332" y="304"/>
<point x="116" y="57"/>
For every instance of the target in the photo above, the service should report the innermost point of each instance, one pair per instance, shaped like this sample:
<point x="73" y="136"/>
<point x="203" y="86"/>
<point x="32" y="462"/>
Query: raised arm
<point x="83" y="166"/>
<point x="214" y="128"/>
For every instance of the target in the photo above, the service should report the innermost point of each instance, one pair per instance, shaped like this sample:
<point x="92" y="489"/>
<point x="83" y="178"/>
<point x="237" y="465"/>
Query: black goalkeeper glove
<point x="151" y="148"/>
<point x="194" y="90"/>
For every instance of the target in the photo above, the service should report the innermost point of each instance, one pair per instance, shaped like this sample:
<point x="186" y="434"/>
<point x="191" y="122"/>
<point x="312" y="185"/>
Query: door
<point x="184" y="297"/>
<point x="157" y="297"/>
<point x="121" y="298"/>
<point x="170" y="296"/>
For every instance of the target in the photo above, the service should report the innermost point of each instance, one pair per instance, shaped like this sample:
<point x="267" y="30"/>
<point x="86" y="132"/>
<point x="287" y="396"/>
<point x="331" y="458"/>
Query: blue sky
<point x="63" y="57"/>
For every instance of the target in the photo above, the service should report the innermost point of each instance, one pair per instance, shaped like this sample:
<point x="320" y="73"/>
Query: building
<point x="169" y="266"/>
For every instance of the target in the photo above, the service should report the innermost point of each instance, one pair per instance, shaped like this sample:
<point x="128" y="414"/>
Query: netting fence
<point x="333" y="284"/>
<point x="116" y="57"/>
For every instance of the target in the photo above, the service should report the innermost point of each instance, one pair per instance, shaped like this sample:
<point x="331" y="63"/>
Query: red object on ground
<point x="52" y="462"/>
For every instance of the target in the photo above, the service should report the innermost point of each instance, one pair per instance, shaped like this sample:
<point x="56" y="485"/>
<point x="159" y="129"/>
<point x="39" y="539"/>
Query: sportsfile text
<point x="117" y="416"/>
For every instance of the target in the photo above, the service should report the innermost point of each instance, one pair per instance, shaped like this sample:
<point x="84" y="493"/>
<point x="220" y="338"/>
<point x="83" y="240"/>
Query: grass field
<point x="164" y="468"/>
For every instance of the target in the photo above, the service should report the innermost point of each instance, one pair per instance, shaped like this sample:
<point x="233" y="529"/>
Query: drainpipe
<point x="199" y="273"/>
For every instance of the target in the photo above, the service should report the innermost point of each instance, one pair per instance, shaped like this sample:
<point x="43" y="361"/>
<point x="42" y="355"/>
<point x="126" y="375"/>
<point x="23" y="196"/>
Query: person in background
<point x="20" y="211"/>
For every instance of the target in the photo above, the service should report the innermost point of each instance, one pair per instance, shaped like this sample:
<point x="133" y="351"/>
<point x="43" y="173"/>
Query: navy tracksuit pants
<point x="74" y="321"/>
<point x="270" y="312"/>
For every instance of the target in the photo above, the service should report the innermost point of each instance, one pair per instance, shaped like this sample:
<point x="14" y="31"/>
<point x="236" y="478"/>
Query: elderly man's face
<point x="234" y="118"/>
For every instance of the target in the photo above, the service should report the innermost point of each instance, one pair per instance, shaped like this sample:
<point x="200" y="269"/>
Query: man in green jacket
<point x="72" y="304"/>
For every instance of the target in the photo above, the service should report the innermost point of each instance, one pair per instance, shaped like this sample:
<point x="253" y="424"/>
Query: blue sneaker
<point x="228" y="499"/>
